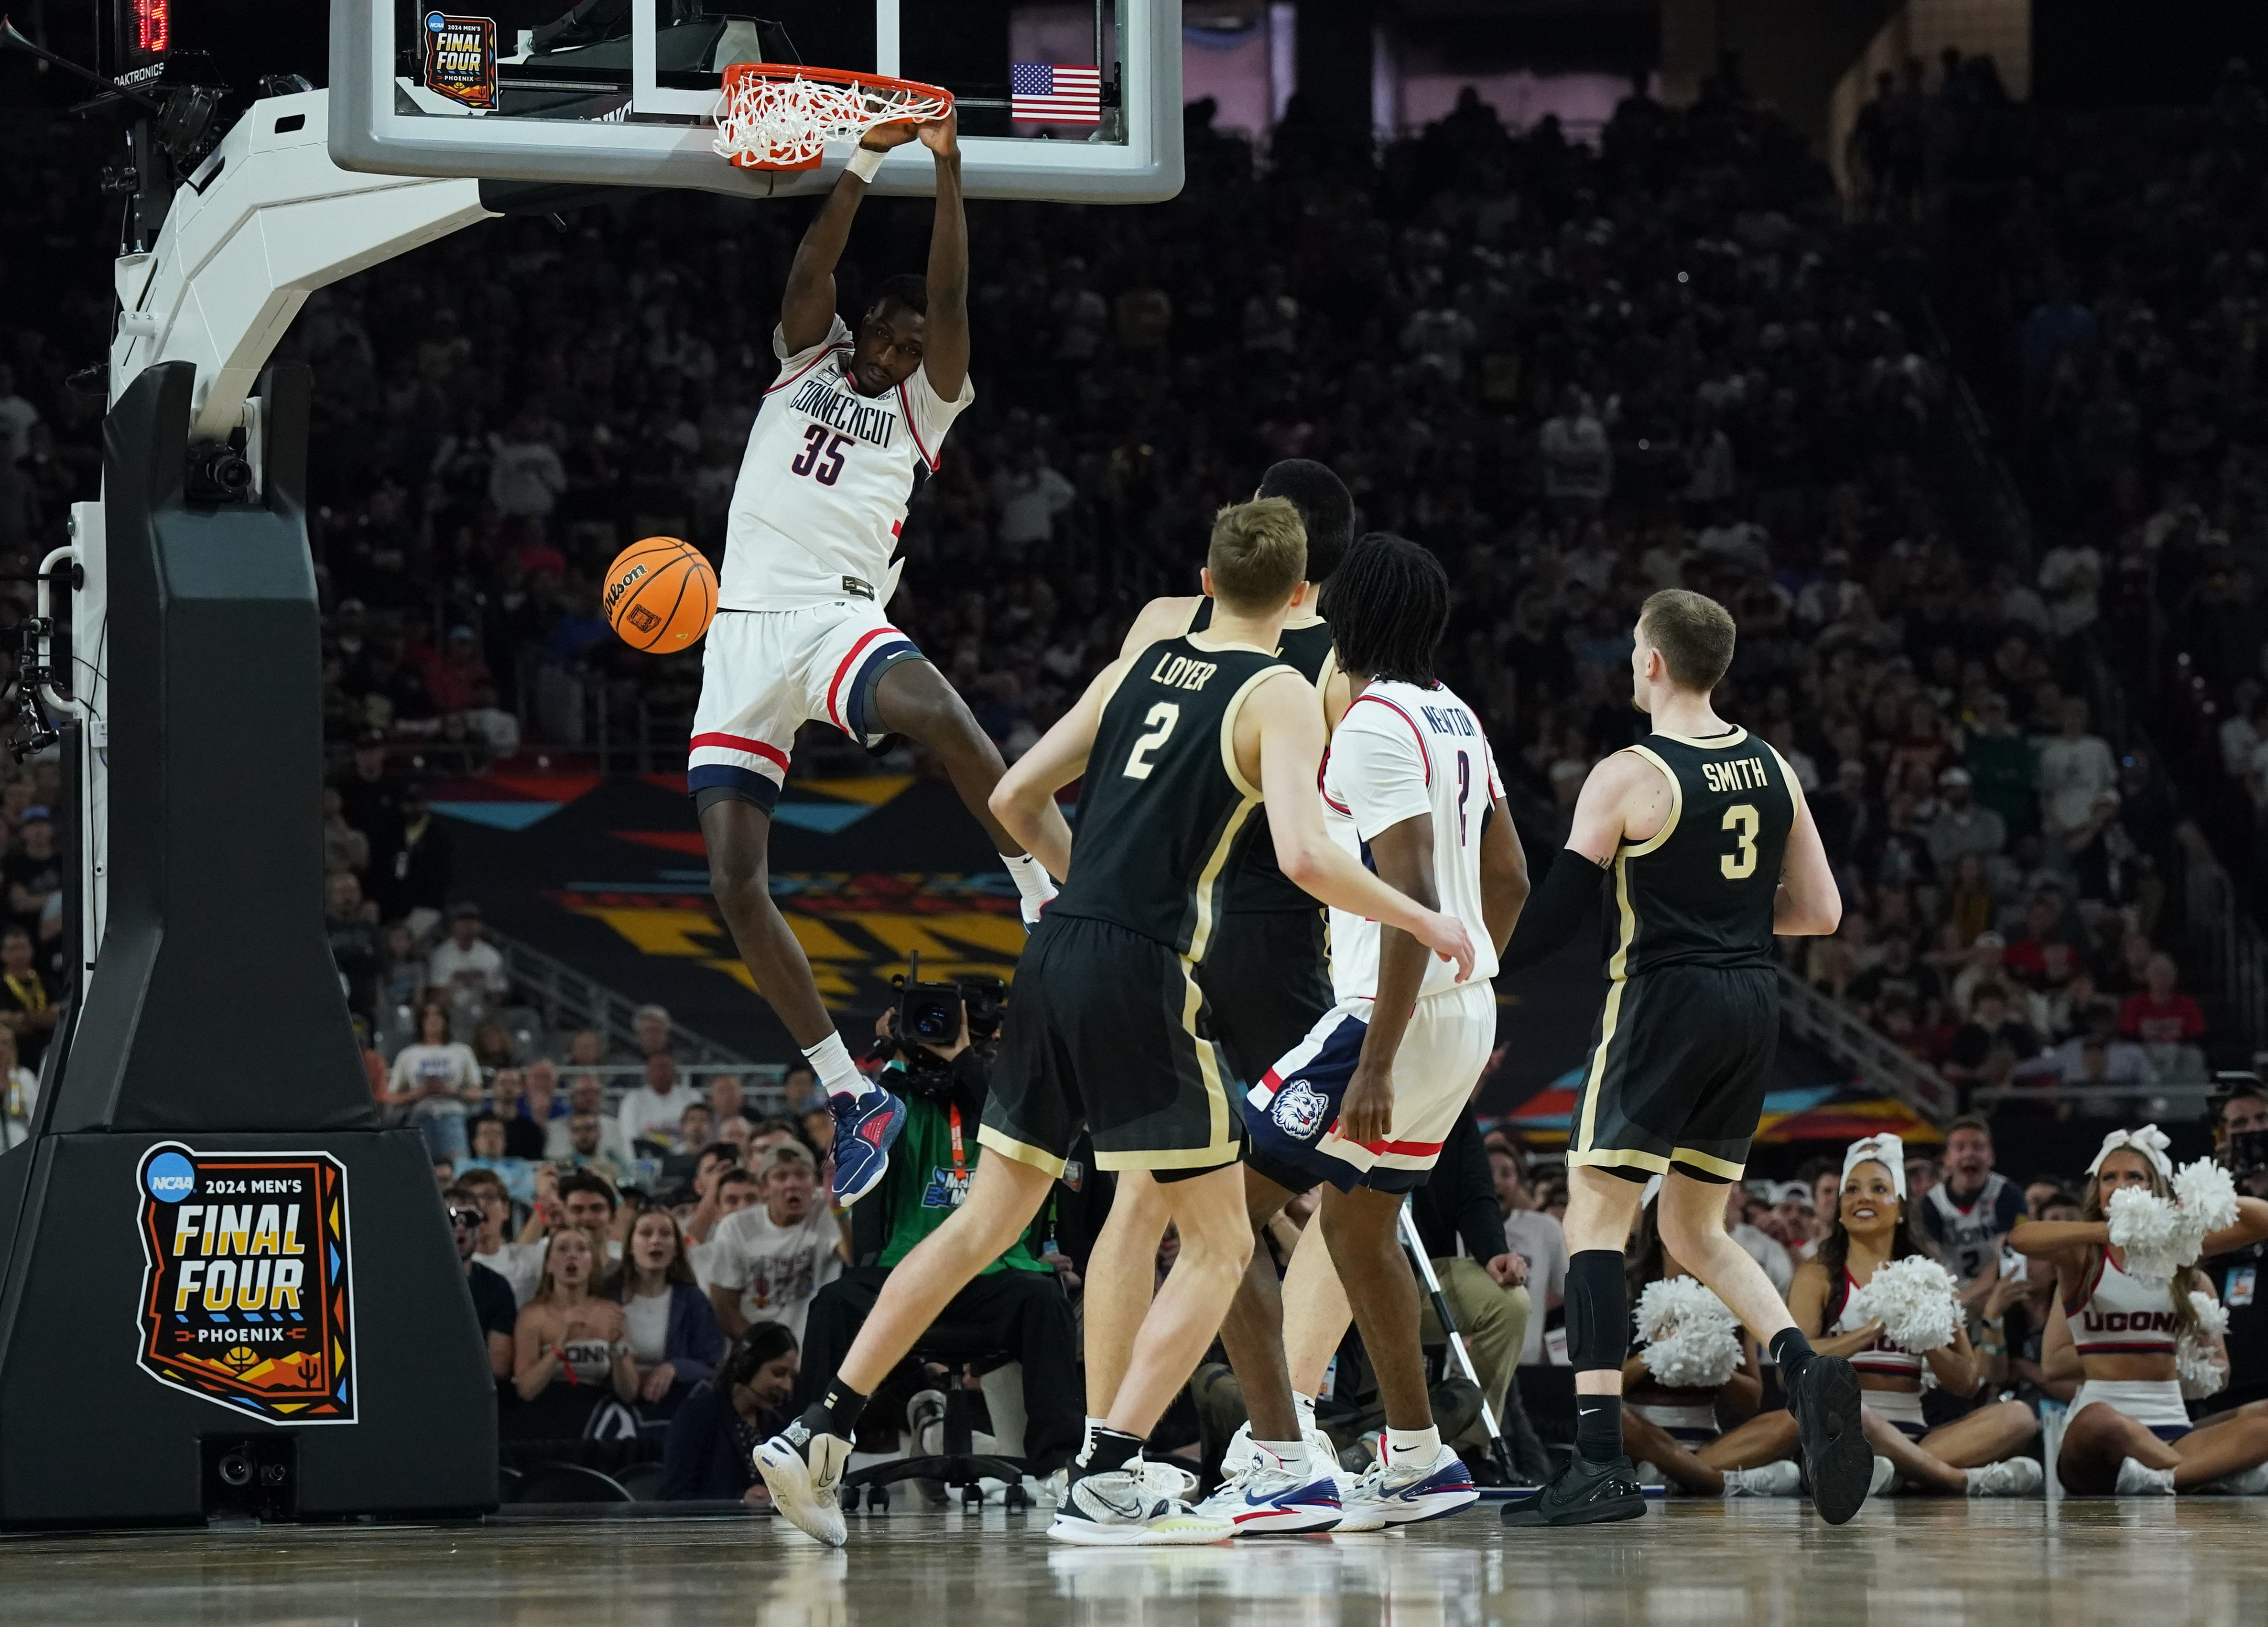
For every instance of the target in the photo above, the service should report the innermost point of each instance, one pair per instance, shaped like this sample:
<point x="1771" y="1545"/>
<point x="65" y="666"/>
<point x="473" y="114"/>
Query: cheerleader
<point x="2130" y="1431"/>
<point x="1874" y="1224"/>
<point x="1673" y="1433"/>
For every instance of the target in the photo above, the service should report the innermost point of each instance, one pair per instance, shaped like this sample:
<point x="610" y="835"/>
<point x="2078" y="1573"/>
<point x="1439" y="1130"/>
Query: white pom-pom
<point x="2197" y="1364"/>
<point x="1692" y="1341"/>
<point x="2158" y="1237"/>
<point x="1914" y="1298"/>
<point x="2207" y="1194"/>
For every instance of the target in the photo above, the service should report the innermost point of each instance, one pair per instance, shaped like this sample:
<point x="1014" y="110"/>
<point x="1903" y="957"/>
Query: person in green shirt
<point x="1014" y="1306"/>
<point x="2005" y="767"/>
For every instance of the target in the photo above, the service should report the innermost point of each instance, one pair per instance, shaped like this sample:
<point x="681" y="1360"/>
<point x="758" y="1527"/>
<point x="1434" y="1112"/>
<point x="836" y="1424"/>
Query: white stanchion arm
<point x="266" y="220"/>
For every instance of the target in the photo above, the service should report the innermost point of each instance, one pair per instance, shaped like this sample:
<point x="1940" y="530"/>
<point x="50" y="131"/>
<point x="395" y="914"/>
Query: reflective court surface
<point x="1767" y="1562"/>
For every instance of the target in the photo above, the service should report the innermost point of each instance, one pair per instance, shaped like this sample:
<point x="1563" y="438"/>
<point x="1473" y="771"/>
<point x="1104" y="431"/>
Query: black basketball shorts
<point x="1107" y="1030"/>
<point x="1267" y="982"/>
<point x="1678" y="1071"/>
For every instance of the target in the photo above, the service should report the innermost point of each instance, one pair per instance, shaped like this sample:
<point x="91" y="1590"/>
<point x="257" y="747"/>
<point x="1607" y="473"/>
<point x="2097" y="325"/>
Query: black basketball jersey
<point x="1259" y="886"/>
<point x="1700" y="890"/>
<point x="1162" y="810"/>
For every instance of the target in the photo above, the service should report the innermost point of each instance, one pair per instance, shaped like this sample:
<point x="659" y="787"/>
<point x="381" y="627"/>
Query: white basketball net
<point x="784" y="123"/>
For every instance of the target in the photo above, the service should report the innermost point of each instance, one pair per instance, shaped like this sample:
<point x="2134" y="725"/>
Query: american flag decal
<point x="1043" y="93"/>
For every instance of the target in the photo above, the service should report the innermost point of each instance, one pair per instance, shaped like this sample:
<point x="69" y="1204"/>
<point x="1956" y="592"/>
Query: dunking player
<point x="1108" y="1029"/>
<point x="1266" y="981"/>
<point x="1712" y="850"/>
<point x="1364" y="1100"/>
<point x="844" y="436"/>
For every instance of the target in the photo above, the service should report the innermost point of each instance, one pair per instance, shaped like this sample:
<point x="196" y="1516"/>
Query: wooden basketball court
<point x="1932" y="1562"/>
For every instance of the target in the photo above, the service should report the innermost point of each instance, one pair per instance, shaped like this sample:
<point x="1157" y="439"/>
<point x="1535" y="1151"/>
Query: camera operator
<point x="938" y="1041"/>
<point x="2240" y="1141"/>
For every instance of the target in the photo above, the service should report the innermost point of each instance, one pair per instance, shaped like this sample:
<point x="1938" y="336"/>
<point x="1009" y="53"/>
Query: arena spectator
<point x="493" y="1305"/>
<point x="434" y="1081"/>
<point x="485" y="1136"/>
<point x="713" y="1437"/>
<point x="671" y="1331"/>
<point x="517" y="1262"/>
<point x="585" y="1100"/>
<point x="354" y="942"/>
<point x="523" y="1136"/>
<point x="2165" y="1022"/>
<point x="736" y="1186"/>
<point x="770" y="1258"/>
<point x="19" y="1093"/>
<point x="571" y="1349"/>
<point x="1970" y="1212"/>
<point x="465" y="965"/>
<point x="1539" y="1243"/>
<point x="650" y="1031"/>
<point x="653" y="1111"/>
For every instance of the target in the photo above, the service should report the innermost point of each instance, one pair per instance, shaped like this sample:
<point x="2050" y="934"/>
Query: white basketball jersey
<point x="826" y="479"/>
<point x="1402" y="751"/>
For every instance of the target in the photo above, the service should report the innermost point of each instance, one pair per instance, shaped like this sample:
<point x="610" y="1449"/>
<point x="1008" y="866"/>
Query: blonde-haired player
<point x="1176" y="747"/>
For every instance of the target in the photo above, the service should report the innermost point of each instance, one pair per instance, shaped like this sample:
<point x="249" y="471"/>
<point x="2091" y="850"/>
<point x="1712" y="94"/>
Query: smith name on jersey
<point x="826" y="479"/>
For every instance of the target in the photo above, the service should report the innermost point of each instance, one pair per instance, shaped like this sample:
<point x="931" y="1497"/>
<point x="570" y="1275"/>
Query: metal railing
<point x="2184" y="1100"/>
<point x="567" y="998"/>
<point x="1844" y="1035"/>
<point x="2226" y="952"/>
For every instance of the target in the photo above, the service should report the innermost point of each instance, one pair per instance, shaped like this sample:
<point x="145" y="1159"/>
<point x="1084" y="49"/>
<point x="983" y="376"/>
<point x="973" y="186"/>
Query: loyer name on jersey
<point x="1741" y="774"/>
<point x="851" y="413"/>
<point x="1178" y="672"/>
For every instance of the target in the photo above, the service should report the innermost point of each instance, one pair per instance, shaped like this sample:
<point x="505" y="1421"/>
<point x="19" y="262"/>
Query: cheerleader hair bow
<point x="2151" y="1142"/>
<point x="1887" y="1150"/>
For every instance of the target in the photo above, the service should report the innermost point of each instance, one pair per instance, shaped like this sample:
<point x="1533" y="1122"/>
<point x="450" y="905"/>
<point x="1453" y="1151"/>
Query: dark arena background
<point x="413" y="1211"/>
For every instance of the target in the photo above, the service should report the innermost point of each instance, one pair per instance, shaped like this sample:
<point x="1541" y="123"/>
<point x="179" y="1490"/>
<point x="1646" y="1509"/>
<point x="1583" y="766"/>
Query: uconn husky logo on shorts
<point x="1300" y="1110"/>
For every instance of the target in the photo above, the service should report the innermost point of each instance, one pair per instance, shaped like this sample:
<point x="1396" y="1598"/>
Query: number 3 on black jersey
<point x="1160" y="723"/>
<point x="1743" y="822"/>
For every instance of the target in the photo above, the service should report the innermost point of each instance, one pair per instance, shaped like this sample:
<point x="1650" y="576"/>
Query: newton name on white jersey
<point x="1399" y="752"/>
<point x="826" y="479"/>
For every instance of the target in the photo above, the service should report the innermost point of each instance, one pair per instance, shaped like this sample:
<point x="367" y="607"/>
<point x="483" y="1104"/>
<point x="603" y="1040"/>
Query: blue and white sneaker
<point x="1408" y="1493"/>
<point x="864" y="1127"/>
<point x="1267" y="1500"/>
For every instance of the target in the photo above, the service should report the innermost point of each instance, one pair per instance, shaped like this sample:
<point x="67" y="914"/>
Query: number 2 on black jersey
<point x="1160" y="722"/>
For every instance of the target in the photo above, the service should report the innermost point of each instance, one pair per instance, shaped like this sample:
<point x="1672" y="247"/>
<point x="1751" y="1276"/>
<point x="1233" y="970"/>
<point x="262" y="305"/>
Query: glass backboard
<point x="623" y="92"/>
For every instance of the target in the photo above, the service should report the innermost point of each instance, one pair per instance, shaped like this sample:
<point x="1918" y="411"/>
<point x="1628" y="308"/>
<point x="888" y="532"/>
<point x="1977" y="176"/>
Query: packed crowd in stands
<point x="1577" y="375"/>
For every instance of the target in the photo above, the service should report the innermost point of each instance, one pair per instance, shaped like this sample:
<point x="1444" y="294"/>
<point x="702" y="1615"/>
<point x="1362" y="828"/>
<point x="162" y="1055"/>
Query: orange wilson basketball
<point x="660" y="594"/>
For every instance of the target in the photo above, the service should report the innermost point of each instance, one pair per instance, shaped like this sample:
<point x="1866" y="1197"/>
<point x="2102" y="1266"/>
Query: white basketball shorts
<point x="1291" y="1115"/>
<point x="765" y="673"/>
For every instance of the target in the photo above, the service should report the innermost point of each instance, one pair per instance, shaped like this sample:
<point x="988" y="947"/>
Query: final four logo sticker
<point x="246" y="1293"/>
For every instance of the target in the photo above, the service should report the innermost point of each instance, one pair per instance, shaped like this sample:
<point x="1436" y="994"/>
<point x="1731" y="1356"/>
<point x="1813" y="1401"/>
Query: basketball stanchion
<point x="1414" y="1246"/>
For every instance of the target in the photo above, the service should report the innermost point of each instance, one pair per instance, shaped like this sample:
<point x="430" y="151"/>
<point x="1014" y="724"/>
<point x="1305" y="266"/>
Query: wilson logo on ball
<point x="661" y="595"/>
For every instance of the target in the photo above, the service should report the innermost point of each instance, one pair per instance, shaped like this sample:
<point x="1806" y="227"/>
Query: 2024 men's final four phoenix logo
<point x="245" y="1299"/>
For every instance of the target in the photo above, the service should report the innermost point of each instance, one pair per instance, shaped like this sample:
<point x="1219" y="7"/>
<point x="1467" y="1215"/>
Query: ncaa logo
<point x="170" y="1178"/>
<point x="1300" y="1111"/>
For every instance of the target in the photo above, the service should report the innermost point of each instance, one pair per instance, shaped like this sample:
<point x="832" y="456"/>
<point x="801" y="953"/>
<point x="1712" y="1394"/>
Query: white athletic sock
<point x="1411" y="1444"/>
<point x="1305" y="1406"/>
<point x="1294" y="1453"/>
<point x="1032" y="881"/>
<point x="1087" y="1441"/>
<point x="838" y="1075"/>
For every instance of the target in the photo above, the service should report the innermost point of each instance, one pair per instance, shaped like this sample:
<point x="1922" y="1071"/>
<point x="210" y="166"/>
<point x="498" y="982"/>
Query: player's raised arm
<point x="807" y="307"/>
<point x="1020" y="801"/>
<point x="1290" y="738"/>
<point x="1808" y="903"/>
<point x="945" y="342"/>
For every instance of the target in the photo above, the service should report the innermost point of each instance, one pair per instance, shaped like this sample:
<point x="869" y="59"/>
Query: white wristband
<point x="865" y="161"/>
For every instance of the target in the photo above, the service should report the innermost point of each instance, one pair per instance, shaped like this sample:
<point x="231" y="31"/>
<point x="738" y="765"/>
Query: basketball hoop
<point x="780" y="115"/>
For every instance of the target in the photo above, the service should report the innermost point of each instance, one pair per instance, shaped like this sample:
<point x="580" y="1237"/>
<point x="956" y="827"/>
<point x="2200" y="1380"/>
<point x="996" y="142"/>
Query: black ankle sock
<point x="1792" y="1351"/>
<point x="836" y="1412"/>
<point x="1112" y="1449"/>
<point x="1599" y="1428"/>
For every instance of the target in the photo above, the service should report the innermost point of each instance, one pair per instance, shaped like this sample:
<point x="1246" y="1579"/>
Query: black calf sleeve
<point x="1598" y="1310"/>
